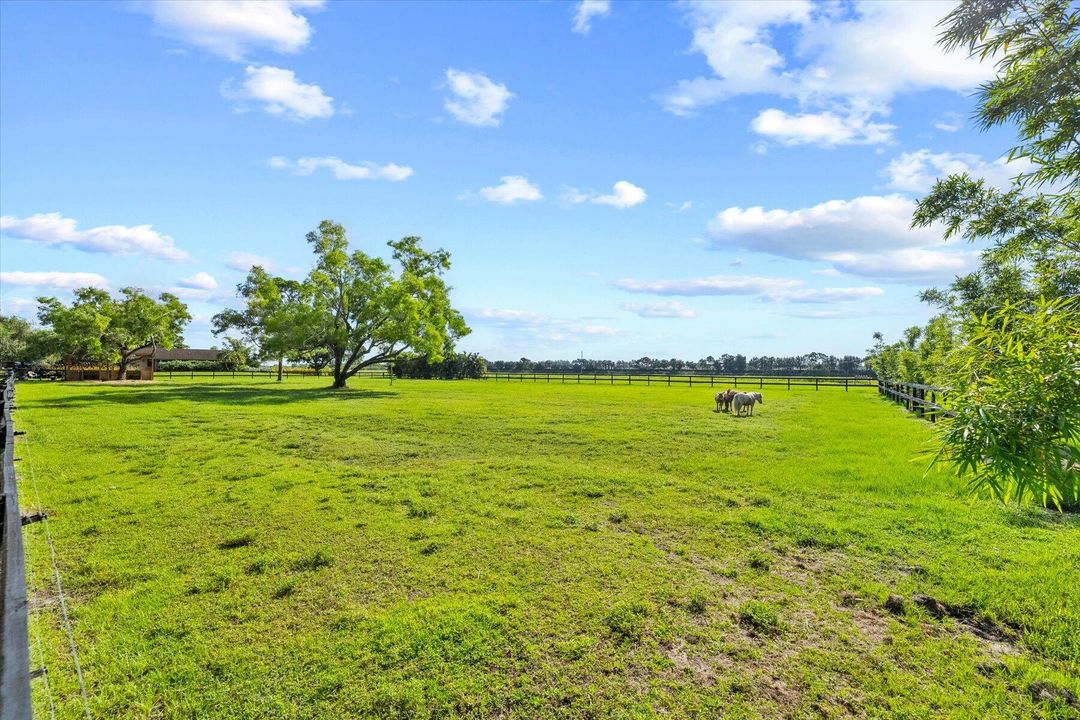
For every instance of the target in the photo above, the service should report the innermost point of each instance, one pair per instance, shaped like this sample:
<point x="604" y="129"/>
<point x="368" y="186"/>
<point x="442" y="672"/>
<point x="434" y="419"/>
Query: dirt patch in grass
<point x="703" y="669"/>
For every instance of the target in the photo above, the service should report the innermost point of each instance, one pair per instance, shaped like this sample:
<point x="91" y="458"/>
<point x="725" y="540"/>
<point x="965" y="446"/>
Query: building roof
<point x="180" y="354"/>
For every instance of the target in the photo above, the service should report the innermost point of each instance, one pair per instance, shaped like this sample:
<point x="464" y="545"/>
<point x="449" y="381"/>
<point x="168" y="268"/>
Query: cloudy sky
<point x="612" y="179"/>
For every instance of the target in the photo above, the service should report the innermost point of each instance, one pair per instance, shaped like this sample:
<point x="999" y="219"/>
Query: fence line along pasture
<point x="14" y="633"/>
<point x="262" y="374"/>
<point x="690" y="380"/>
<point x="913" y="397"/>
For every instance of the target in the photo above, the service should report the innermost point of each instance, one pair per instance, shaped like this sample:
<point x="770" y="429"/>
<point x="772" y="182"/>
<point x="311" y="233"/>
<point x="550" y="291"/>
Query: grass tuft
<point x="759" y="617"/>
<point x="627" y="620"/>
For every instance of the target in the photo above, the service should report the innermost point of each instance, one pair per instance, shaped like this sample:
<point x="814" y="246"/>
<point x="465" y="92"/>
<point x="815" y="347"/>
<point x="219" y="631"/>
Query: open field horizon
<point x="471" y="549"/>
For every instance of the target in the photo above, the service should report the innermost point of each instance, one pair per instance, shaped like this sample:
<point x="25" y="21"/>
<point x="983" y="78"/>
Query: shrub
<point x="455" y="366"/>
<point x="1016" y="394"/>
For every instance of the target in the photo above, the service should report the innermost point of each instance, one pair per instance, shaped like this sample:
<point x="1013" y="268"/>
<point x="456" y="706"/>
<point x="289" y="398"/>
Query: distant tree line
<point x="814" y="363"/>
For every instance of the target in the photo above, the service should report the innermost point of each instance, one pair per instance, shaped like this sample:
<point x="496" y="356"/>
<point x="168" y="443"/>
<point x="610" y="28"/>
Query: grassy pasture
<point x="470" y="549"/>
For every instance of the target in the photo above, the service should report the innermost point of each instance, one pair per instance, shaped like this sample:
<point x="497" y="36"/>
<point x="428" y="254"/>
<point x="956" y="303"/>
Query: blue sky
<point x="612" y="179"/>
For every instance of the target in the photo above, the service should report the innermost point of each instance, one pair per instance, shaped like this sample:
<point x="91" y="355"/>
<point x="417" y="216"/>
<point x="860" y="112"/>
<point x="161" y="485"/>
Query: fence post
<point x="845" y="385"/>
<point x="789" y="383"/>
<point x="817" y="385"/>
<point x="736" y="381"/>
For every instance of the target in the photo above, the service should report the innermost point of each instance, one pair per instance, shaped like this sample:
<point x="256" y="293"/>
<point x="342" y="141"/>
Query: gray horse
<point x="745" y="400"/>
<point x="723" y="399"/>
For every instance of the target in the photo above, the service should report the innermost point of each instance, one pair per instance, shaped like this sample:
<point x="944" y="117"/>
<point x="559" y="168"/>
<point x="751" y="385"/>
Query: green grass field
<point x="469" y="549"/>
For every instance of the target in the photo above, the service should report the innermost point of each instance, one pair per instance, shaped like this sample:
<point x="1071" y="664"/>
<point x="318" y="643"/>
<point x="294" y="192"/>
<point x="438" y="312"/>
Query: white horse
<point x="745" y="400"/>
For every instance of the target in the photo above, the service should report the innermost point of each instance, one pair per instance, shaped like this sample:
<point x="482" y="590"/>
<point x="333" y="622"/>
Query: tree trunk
<point x="339" y="375"/>
<point x="280" y="362"/>
<point x="122" y="372"/>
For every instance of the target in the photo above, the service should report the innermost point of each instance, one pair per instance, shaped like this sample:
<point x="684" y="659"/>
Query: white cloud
<point x="849" y="60"/>
<point x="594" y="330"/>
<point x="515" y="317"/>
<point x="623" y="195"/>
<point x="714" y="285"/>
<point x="586" y="10"/>
<point x="666" y="309"/>
<point x="23" y="307"/>
<point x="916" y="171"/>
<point x="244" y="261"/>
<point x="831" y="295"/>
<point x="477" y="100"/>
<point x="342" y="170"/>
<point x="863" y="223"/>
<point x="949" y="122"/>
<point x="681" y="207"/>
<point x="280" y="93"/>
<point x="55" y="229"/>
<point x="232" y="28"/>
<point x="772" y="289"/>
<point x="513" y="189"/>
<point x="540" y="327"/>
<point x="199" y="281"/>
<point x="869" y="236"/>
<point x="835" y="313"/>
<point x="827" y="129"/>
<point x="54" y="280"/>
<point x="915" y="265"/>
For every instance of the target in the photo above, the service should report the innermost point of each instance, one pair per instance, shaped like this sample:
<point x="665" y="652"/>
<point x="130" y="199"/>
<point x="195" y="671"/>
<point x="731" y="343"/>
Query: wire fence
<point x="689" y="380"/>
<point x="14" y="635"/>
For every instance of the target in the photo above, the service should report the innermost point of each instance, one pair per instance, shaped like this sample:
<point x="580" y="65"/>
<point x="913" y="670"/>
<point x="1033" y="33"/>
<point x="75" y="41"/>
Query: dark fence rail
<point x="261" y="374"/>
<point x="14" y="637"/>
<point x="690" y="380"/>
<point x="919" y="399"/>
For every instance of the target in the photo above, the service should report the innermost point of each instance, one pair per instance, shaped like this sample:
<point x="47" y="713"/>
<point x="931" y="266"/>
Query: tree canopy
<point x="356" y="309"/>
<point x="100" y="328"/>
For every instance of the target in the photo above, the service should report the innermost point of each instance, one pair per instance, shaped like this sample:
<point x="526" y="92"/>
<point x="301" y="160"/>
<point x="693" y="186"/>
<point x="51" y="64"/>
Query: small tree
<point x="99" y="327"/>
<point x="21" y="342"/>
<point x="235" y="355"/>
<point x="263" y="322"/>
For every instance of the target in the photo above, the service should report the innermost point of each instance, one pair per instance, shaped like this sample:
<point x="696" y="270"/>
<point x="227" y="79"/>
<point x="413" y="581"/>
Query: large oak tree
<point x="358" y="309"/>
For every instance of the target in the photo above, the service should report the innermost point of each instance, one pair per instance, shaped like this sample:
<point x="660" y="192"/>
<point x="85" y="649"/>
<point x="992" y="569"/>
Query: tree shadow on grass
<point x="224" y="394"/>
<point x="1041" y="518"/>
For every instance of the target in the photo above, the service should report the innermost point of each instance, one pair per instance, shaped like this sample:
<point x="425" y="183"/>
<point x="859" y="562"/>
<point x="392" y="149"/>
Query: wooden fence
<point x="914" y="397"/>
<point x="14" y="636"/>
<point x="262" y="374"/>
<point x="689" y="380"/>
